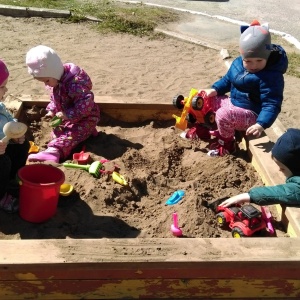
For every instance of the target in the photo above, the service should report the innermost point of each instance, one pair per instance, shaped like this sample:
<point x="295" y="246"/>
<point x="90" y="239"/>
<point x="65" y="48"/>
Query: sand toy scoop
<point x="13" y="130"/>
<point x="81" y="157"/>
<point x="93" y="168"/>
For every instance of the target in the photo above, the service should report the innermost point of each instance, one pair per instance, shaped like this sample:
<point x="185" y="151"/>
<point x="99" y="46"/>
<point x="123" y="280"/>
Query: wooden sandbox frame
<point x="248" y="268"/>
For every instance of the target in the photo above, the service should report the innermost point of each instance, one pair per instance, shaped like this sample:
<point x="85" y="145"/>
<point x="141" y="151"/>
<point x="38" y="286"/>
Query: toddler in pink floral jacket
<point x="71" y="100"/>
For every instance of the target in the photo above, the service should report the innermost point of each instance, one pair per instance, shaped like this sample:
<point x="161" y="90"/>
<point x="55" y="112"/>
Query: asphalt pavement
<point x="282" y="15"/>
<point x="218" y="21"/>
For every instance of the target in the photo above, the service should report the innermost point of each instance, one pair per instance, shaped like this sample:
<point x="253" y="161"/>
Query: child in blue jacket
<point x="13" y="155"/>
<point x="286" y="154"/>
<point x="255" y="82"/>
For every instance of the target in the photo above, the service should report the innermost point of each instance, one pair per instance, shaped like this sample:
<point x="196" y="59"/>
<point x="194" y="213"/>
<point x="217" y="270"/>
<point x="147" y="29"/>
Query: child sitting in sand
<point x="255" y="82"/>
<point x="13" y="155"/>
<point x="71" y="100"/>
<point x="286" y="154"/>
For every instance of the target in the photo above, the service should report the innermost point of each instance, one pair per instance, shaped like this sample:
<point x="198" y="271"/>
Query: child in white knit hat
<point x="71" y="100"/>
<point x="13" y="154"/>
<point x="255" y="82"/>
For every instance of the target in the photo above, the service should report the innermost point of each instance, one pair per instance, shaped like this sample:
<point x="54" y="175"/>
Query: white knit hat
<point x="43" y="61"/>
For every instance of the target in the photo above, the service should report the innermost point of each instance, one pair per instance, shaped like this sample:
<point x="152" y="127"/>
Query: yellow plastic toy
<point x="181" y="121"/>
<point x="118" y="178"/>
<point x="33" y="147"/>
<point x="66" y="189"/>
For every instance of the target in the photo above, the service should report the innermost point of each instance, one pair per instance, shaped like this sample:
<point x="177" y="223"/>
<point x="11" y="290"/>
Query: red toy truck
<point x="243" y="220"/>
<point x="195" y="108"/>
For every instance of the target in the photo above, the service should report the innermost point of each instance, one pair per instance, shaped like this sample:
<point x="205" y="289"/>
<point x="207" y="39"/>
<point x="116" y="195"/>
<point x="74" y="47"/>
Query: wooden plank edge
<point x="149" y="250"/>
<point x="75" y="259"/>
<point x="260" y="153"/>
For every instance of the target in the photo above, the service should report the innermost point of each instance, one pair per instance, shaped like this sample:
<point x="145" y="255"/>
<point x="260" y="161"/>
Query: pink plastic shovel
<point x="82" y="157"/>
<point x="267" y="216"/>
<point x="174" y="227"/>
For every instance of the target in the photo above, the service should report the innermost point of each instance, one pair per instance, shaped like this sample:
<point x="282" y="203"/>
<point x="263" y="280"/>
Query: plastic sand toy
<point x="66" y="189"/>
<point x="175" y="198"/>
<point x="176" y="231"/>
<point x="13" y="130"/>
<point x="81" y="157"/>
<point x="55" y="121"/>
<point x="119" y="178"/>
<point x="33" y="147"/>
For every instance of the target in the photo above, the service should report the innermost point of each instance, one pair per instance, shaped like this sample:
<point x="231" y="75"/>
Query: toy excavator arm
<point x="181" y="121"/>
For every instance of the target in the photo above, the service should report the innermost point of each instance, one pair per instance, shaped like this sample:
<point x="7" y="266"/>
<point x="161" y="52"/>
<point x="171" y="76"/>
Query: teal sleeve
<point x="6" y="114"/>
<point x="287" y="194"/>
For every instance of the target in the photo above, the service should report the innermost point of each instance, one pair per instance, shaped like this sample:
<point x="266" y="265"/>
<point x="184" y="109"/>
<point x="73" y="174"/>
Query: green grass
<point x="55" y="4"/>
<point x="292" y="53"/>
<point x="136" y="19"/>
<point x="294" y="64"/>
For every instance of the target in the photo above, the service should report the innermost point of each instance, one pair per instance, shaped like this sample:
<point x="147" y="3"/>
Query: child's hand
<point x="49" y="114"/>
<point x="255" y="129"/>
<point x="20" y="140"/>
<point x="61" y="115"/>
<point x="238" y="199"/>
<point x="2" y="147"/>
<point x="210" y="92"/>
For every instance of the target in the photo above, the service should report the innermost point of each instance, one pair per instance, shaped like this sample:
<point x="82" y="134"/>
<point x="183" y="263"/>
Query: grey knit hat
<point x="287" y="150"/>
<point x="255" y="41"/>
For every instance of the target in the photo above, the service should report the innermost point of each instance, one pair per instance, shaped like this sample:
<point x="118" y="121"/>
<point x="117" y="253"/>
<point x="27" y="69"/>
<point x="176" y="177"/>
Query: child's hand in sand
<point x="238" y="199"/>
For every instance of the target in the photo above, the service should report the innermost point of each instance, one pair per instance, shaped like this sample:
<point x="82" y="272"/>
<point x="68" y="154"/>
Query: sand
<point x="153" y="158"/>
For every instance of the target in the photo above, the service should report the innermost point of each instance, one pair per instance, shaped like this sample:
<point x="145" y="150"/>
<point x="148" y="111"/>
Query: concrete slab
<point x="20" y="11"/>
<point x="216" y="34"/>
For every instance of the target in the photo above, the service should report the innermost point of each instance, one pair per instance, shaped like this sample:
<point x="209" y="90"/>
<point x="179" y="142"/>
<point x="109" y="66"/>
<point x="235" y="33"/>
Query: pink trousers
<point x="230" y="118"/>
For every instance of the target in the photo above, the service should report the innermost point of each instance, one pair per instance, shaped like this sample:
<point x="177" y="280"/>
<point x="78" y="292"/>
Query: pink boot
<point x="198" y="132"/>
<point x="51" y="154"/>
<point x="222" y="146"/>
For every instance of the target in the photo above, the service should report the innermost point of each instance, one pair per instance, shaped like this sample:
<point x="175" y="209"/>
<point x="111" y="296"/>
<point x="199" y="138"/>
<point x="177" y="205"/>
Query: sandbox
<point x="169" y="267"/>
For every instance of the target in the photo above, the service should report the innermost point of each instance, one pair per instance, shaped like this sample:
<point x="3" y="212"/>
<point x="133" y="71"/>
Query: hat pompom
<point x="255" y="23"/>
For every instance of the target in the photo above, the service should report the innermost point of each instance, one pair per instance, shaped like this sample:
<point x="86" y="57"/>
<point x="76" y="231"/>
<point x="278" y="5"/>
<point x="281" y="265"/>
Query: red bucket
<point x="39" y="192"/>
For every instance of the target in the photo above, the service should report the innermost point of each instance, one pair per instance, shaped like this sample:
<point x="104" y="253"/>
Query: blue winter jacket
<point x="5" y="117"/>
<point x="260" y="92"/>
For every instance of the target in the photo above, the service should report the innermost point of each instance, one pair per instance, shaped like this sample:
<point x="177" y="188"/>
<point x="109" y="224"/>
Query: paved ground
<point x="223" y="17"/>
